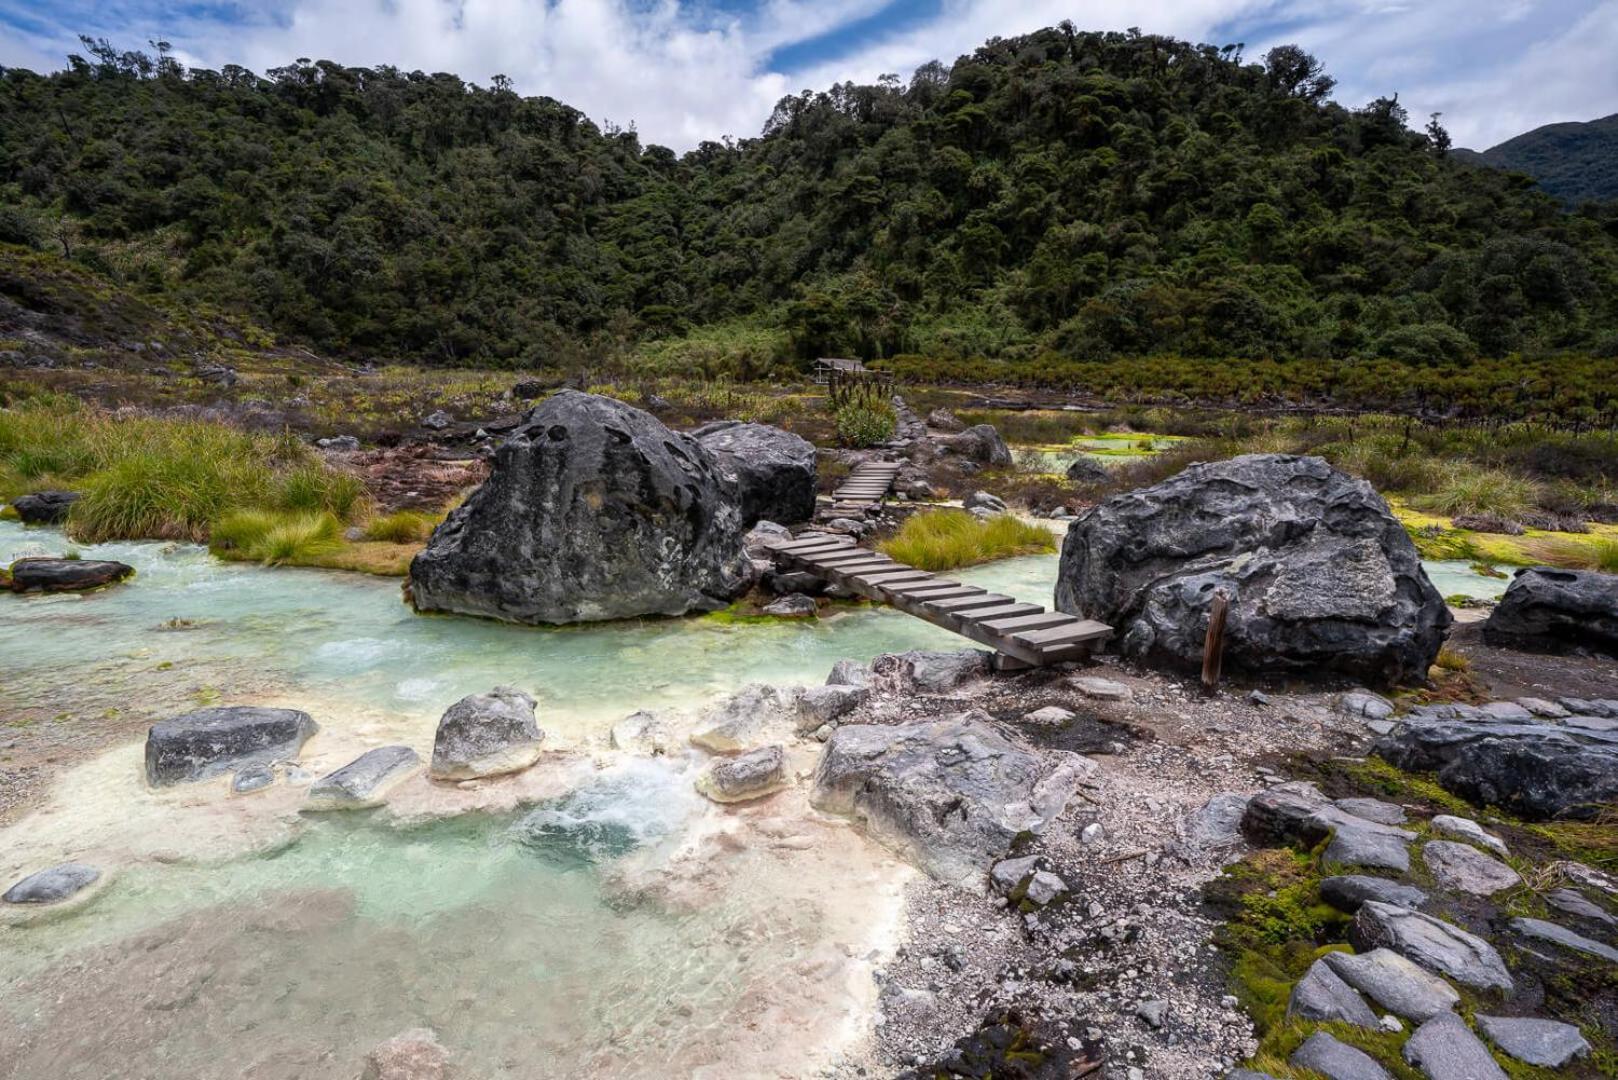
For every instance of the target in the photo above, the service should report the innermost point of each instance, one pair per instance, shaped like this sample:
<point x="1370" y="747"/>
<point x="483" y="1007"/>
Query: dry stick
<point x="1213" y="649"/>
<point x="1121" y="858"/>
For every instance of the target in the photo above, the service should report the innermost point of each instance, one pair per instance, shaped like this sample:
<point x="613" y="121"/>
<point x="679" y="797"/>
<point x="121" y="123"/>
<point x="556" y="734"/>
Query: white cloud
<point x="686" y="70"/>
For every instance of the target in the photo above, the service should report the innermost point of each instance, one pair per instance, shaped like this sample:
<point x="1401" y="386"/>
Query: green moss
<point x="1380" y="778"/>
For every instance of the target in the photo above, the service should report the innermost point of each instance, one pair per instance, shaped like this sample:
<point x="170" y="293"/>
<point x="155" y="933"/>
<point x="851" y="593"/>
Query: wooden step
<point x="838" y="556"/>
<point x="965" y="603"/>
<point x="811" y="544"/>
<point x="1002" y="611"/>
<point x="1024" y="622"/>
<point x="868" y="566"/>
<point x="935" y="583"/>
<point x="941" y="591"/>
<point x="892" y="577"/>
<point x="1075" y="632"/>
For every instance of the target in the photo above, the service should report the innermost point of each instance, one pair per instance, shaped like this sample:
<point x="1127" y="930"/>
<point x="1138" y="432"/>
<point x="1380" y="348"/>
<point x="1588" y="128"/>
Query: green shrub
<point x="1470" y="489"/>
<point x="402" y="527"/>
<point x="865" y="424"/>
<point x="946" y="539"/>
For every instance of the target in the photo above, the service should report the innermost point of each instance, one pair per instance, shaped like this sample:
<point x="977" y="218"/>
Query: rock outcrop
<point x="44" y="507"/>
<point x="66" y="575"/>
<point x="592" y="510"/>
<point x="1534" y="769"/>
<point x="950" y="795"/>
<point x="1321" y="576"/>
<point x="773" y="470"/>
<point x="1557" y="611"/>
<point x="209" y="742"/>
<point x="486" y="735"/>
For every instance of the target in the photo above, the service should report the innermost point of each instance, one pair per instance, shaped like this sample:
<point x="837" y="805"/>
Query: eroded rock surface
<point x="773" y="470"/>
<point x="1551" y="610"/>
<point x="592" y="510"/>
<point x="1320" y="574"/>
<point x="208" y="742"/>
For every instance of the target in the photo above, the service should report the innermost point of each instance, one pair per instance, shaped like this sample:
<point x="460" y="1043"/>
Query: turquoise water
<point x="247" y="632"/>
<point x="1046" y="459"/>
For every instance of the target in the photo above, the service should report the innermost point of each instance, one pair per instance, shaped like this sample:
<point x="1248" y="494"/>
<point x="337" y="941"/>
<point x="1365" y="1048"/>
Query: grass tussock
<point x="947" y="539"/>
<point x="1585" y="553"/>
<point x="402" y="527"/>
<point x="276" y="538"/>
<point x="149" y="477"/>
<point x="1472" y="489"/>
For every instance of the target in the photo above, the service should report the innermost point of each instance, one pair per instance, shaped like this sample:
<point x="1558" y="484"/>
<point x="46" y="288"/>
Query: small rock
<point x="52" y="886"/>
<point x="1258" y="698"/>
<point x="1466" y="869"/>
<point x="1467" y="829"/>
<point x="1576" y="903"/>
<point x="1540" y="707"/>
<point x="1007" y="874"/>
<point x="1154" y="1012"/>
<point x="1102" y="689"/>
<point x="1092" y="835"/>
<point x="1432" y="943"/>
<point x="1394" y="983"/>
<point x="1363" y="703"/>
<point x="1444" y="1048"/>
<point x="411" y="1055"/>
<point x="792" y="606"/>
<point x="1505" y="710"/>
<point x="1391" y="1024"/>
<point x="828" y="704"/>
<point x="1541" y="930"/>
<point x="849" y="673"/>
<point x="365" y="781"/>
<point x="1216" y="824"/>
<point x="1044" y="888"/>
<point x="751" y="776"/>
<point x="1052" y="715"/>
<point x="982" y="500"/>
<point x="1347" y="892"/>
<point x="1549" y="1044"/>
<point x="1383" y="813"/>
<point x="1336" y="1060"/>
<point x="437" y="420"/>
<point x="643" y="732"/>
<point x="1354" y="846"/>
<point x="251" y="778"/>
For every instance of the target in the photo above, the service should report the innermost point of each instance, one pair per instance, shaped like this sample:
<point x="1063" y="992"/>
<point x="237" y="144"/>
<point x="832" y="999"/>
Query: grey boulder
<point x="1463" y="868"/>
<point x="849" y="673"/>
<point x="980" y="444"/>
<point x="1336" y="1060"/>
<point x="365" y="781"/>
<point x="1557" y="611"/>
<point x="1353" y="845"/>
<point x="950" y="795"/>
<point x="52" y="886"/>
<point x="592" y="510"/>
<point x="44" y="507"/>
<point x="1444" y="1048"/>
<point x="486" y="735"/>
<point x="1396" y="984"/>
<point x="828" y="704"/>
<point x="1086" y="470"/>
<point x="66" y="575"/>
<point x="933" y="672"/>
<point x="1346" y="892"/>
<point x="208" y="742"/>
<point x="792" y="606"/>
<point x="755" y="714"/>
<point x="1297" y="813"/>
<point x="1467" y="829"/>
<point x="1432" y="943"/>
<point x="1322" y="578"/>
<point x="1534" y="769"/>
<point x="773" y="470"/>
<point x="1321" y="995"/>
<point x="749" y="776"/>
<point x="1549" y="1044"/>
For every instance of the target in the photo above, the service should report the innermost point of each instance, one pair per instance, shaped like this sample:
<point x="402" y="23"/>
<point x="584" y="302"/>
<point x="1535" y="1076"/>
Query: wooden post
<point x="1213" y="648"/>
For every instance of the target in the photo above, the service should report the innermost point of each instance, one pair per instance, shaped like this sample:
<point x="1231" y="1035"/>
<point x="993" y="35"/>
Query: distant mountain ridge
<point x="1574" y="161"/>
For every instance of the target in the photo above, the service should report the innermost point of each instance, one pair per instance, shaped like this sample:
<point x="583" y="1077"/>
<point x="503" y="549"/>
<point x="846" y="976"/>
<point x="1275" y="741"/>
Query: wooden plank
<point x="966" y="603"/>
<point x="1024" y="622"/>
<point x="827" y="547"/>
<point x="805" y="545"/>
<point x="838" y="556"/>
<point x="867" y="566"/>
<point x="1077" y="631"/>
<point x="897" y="574"/>
<point x="940" y="591"/>
<point x="934" y="584"/>
<point x="1002" y="611"/>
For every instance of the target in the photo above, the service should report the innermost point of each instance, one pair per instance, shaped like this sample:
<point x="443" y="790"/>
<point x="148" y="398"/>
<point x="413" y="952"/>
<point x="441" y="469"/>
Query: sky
<point x="681" y="71"/>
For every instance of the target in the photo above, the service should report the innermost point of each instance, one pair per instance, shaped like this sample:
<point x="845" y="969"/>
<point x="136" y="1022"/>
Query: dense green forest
<point x="1572" y="161"/>
<point x="1060" y="197"/>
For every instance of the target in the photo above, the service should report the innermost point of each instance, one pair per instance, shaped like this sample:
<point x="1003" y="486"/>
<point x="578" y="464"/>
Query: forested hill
<point x="1573" y="161"/>
<point x="1081" y="195"/>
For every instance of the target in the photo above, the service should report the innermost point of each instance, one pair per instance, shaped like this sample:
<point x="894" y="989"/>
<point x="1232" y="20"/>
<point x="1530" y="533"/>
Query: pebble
<point x="1093" y="834"/>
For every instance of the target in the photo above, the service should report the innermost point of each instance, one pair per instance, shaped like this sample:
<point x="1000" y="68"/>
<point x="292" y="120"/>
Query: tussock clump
<point x="947" y="539"/>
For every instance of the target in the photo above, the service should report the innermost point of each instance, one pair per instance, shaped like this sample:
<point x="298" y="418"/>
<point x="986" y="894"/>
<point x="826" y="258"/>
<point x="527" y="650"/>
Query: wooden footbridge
<point x="865" y="487"/>
<point x="1023" y="635"/>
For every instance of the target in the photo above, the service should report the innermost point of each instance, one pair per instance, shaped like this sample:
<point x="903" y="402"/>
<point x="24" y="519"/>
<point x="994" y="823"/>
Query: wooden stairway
<point x="1026" y="633"/>
<point x="866" y="487"/>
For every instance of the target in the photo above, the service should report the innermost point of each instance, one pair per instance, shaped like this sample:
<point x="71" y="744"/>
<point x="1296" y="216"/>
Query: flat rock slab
<point x="1432" y="943"/>
<point x="365" y="781"/>
<point x="208" y="742"/>
<point x="52" y="886"/>
<point x="1346" y="892"/>
<point x="1444" y="1048"/>
<point x="1467" y="829"/>
<point x="1541" y="930"/>
<point x="1094" y="686"/>
<point x="1297" y="813"/>
<point x="1322" y="995"/>
<point x="1576" y="903"/>
<point x="1383" y="813"/>
<point x="66" y="575"/>
<point x="752" y="775"/>
<point x="1463" y="868"/>
<point x="1549" y="1044"/>
<point x="1336" y="1060"/>
<point x="1352" y="845"/>
<point x="951" y="795"/>
<point x="486" y="735"/>
<point x="1399" y="986"/>
<point x="1216" y="824"/>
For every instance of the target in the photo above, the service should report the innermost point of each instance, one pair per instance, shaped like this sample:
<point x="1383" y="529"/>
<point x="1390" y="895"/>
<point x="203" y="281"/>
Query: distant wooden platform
<point x="866" y="487"/>
<point x="1026" y="633"/>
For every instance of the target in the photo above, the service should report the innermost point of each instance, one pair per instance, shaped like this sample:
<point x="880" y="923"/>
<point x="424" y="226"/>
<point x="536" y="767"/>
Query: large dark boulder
<point x="66" y="575"/>
<point x="1557" y="611"/>
<point x="209" y="742"/>
<point x="980" y="444"/>
<point x="1533" y="769"/>
<point x="44" y="507"/>
<point x="592" y="510"/>
<point x="774" y="470"/>
<point x="1320" y="575"/>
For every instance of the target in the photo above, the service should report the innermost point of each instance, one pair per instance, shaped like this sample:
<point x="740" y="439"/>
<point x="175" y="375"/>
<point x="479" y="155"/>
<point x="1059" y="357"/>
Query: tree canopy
<point x="1087" y="195"/>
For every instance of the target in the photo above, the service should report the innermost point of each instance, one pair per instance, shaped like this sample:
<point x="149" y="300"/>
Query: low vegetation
<point x="173" y="479"/>
<point x="276" y="538"/>
<point x="947" y="539"/>
<point x="862" y="424"/>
